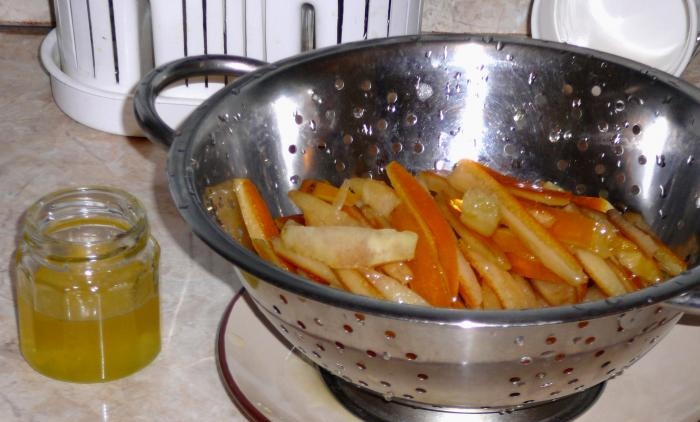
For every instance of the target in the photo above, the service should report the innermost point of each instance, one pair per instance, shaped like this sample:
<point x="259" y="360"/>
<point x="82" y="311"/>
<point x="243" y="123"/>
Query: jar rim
<point x="34" y="222"/>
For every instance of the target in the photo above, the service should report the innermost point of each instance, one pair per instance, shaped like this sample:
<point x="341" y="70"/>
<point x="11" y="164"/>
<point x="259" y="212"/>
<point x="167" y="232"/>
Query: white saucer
<point x="660" y="34"/>
<point x="270" y="382"/>
<point x="265" y="378"/>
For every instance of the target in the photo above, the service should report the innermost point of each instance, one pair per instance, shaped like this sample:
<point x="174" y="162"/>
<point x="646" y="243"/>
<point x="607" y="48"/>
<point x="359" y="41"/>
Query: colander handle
<point x="159" y="78"/>
<point x="688" y="302"/>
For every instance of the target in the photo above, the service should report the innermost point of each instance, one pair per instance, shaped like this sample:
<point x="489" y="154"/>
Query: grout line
<point x="25" y="29"/>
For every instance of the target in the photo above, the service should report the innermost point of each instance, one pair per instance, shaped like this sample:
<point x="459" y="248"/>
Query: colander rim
<point x="186" y="198"/>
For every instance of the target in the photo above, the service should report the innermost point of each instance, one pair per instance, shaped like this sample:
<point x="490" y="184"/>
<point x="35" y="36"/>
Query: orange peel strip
<point x="549" y="251"/>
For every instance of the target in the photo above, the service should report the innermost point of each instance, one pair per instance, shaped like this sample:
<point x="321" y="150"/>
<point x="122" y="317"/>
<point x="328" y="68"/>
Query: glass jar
<point x="87" y="285"/>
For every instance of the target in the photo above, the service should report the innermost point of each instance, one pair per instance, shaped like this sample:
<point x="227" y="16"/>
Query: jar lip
<point x="34" y="232"/>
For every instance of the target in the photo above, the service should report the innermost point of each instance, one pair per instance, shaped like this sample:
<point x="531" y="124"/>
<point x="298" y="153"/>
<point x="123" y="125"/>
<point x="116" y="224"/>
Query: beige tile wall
<point x="502" y="16"/>
<point x="438" y="15"/>
<point x="25" y="12"/>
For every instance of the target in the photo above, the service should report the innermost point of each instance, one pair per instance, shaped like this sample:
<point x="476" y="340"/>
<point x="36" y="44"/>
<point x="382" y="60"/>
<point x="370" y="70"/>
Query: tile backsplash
<point x="26" y="12"/>
<point x="506" y="16"/>
<point x="500" y="16"/>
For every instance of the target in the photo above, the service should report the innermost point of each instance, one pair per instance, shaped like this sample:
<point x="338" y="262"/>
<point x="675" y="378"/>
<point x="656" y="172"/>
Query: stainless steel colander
<point x="595" y="123"/>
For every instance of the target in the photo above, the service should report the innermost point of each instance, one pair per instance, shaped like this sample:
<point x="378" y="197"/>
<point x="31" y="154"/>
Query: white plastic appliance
<point x="100" y="49"/>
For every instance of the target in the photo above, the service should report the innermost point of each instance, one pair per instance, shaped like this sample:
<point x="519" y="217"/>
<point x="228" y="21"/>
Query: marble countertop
<point x="43" y="150"/>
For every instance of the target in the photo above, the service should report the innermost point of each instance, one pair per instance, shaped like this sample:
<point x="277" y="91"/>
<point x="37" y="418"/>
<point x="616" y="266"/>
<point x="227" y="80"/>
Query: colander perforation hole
<point x="411" y="356"/>
<point x="576" y="339"/>
<point x="408" y="396"/>
<point x="620" y="177"/>
<point x="546" y="384"/>
<point x="568" y="371"/>
<point x="555" y="393"/>
<point x="610" y="372"/>
<point x="514" y="394"/>
<point x="547" y="353"/>
<point x="599" y="353"/>
<point x="292" y="149"/>
<point x="528" y="401"/>
<point x="634" y="190"/>
<point x="583" y="324"/>
<point x="362" y="383"/>
<point x="390" y="335"/>
<point x="551" y="340"/>
<point x="320" y="347"/>
<point x="596" y="90"/>
<point x="371" y="353"/>
<point x="590" y="340"/>
<point x="284" y="299"/>
<point x="315" y="353"/>
<point x="580" y="387"/>
<point x="348" y="329"/>
<point x="366" y="85"/>
<point x="573" y="381"/>
<point x="339" y="345"/>
<point x="605" y="364"/>
<point x="318" y="322"/>
<point x="421" y="390"/>
<point x="514" y="380"/>
<point x="385" y="383"/>
<point x="360" y="317"/>
<point x="658" y="310"/>
<point x="422" y="377"/>
<point x="525" y="360"/>
<point x="361" y="366"/>
<point x="302" y="325"/>
<point x="418" y="147"/>
<point x="559" y="357"/>
<point x="284" y="329"/>
<point x="276" y="309"/>
<point x="541" y="375"/>
<point x="581" y="145"/>
<point x="373" y="150"/>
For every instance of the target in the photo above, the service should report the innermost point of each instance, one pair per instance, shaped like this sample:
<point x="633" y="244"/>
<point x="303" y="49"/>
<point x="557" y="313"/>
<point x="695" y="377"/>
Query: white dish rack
<point x="100" y="49"/>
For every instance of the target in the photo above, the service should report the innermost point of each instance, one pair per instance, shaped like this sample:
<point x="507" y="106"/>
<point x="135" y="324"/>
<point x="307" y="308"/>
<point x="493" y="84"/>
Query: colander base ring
<point x="373" y="408"/>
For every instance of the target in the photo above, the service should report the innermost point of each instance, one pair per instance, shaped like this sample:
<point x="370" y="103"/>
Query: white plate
<point x="270" y="382"/>
<point x="265" y="378"/>
<point x="658" y="33"/>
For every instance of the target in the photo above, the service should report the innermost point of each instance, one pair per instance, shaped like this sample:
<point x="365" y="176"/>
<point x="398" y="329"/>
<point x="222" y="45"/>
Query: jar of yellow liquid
<point x="87" y="286"/>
